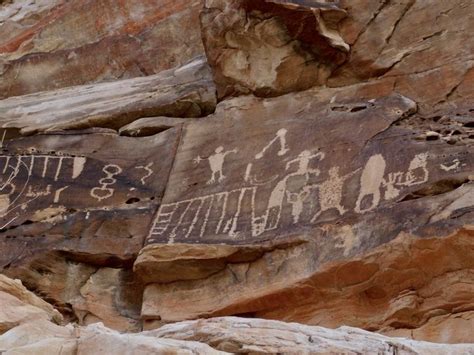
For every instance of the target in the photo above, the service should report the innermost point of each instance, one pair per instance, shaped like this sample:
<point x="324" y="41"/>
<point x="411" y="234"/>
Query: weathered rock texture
<point x="83" y="197"/>
<point x="21" y="306"/>
<point x="325" y="228"/>
<point x="213" y="336"/>
<point x="315" y="166"/>
<point x="49" y="44"/>
<point x="271" y="47"/>
<point x="184" y="92"/>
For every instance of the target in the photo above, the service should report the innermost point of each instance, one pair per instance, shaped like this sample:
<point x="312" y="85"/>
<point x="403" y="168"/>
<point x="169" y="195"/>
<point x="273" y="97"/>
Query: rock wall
<point x="299" y="161"/>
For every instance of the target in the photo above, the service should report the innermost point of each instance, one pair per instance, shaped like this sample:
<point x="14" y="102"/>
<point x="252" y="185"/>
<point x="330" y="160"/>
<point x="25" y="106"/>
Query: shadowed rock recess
<point x="236" y="176"/>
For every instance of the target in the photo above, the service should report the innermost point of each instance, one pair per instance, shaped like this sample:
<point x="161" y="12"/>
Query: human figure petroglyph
<point x="371" y="181"/>
<point x="296" y="195"/>
<point x="104" y="191"/>
<point x="293" y="188"/>
<point x="216" y="163"/>
<point x="281" y="138"/>
<point x="303" y="161"/>
<point x="330" y="192"/>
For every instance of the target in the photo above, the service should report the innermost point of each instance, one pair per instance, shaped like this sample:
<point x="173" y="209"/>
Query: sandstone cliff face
<point x="297" y="161"/>
<point x="36" y="333"/>
<point x="49" y="44"/>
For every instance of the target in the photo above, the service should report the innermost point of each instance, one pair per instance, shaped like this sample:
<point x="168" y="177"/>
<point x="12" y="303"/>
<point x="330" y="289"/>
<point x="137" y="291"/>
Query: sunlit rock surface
<point x="165" y="163"/>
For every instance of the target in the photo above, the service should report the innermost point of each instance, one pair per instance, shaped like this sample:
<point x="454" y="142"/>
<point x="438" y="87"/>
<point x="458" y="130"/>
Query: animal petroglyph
<point x="216" y="163"/>
<point x="104" y="191"/>
<point x="373" y="180"/>
<point x="38" y="193"/>
<point x="417" y="174"/>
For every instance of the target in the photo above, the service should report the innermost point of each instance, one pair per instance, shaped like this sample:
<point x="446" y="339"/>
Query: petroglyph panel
<point x="247" y="180"/>
<point x="61" y="188"/>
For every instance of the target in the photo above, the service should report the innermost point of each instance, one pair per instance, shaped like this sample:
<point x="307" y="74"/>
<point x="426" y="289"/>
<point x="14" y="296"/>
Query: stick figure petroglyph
<point x="216" y="163"/>
<point x="104" y="191"/>
<point x="281" y="138"/>
<point x="303" y="160"/>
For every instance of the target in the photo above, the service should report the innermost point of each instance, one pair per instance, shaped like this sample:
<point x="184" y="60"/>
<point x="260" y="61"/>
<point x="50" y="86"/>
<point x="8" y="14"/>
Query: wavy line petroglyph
<point x="149" y="172"/>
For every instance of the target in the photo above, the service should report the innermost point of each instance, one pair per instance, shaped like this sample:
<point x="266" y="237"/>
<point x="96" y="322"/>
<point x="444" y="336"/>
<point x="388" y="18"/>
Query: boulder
<point x="271" y="47"/>
<point x="19" y="306"/>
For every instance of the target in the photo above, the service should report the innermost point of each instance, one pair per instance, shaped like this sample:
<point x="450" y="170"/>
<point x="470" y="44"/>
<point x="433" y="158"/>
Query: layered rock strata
<point x="315" y="166"/>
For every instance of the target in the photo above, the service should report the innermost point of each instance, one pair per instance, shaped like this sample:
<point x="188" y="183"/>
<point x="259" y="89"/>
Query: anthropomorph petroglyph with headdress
<point x="293" y="187"/>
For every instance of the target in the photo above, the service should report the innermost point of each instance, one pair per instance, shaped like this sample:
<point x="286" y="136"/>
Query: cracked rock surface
<point x="235" y="176"/>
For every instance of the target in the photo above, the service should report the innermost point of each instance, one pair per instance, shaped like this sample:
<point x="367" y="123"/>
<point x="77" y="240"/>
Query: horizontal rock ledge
<point x="187" y="91"/>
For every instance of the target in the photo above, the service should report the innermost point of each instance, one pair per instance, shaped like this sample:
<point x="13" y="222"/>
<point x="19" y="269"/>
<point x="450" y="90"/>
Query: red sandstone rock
<point x="347" y="204"/>
<point x="270" y="48"/>
<point x="52" y="44"/>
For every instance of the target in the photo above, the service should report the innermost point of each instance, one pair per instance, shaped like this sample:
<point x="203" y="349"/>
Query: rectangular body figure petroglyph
<point x="246" y="180"/>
